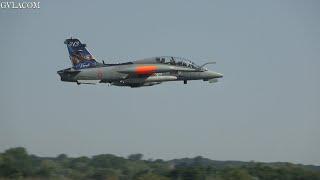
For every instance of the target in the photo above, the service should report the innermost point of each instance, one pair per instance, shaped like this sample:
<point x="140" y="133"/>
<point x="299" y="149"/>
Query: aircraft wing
<point x="151" y="69"/>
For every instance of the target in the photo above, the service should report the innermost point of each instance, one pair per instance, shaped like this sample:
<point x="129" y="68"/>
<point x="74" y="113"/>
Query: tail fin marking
<point x="79" y="55"/>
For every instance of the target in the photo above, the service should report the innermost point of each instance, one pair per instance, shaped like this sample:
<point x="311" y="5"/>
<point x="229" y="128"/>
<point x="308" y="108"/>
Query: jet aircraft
<point x="144" y="72"/>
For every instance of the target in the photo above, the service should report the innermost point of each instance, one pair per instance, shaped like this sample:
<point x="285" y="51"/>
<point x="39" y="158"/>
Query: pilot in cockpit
<point x="172" y="62"/>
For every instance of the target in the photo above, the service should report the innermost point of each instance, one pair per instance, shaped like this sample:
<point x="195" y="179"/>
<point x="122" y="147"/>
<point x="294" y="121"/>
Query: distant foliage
<point x="16" y="163"/>
<point x="135" y="157"/>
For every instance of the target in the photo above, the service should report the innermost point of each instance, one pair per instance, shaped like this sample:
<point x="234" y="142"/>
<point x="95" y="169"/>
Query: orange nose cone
<point x="142" y="70"/>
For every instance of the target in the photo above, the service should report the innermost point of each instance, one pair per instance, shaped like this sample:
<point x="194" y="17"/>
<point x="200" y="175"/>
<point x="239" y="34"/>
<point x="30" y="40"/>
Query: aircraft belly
<point x="190" y="75"/>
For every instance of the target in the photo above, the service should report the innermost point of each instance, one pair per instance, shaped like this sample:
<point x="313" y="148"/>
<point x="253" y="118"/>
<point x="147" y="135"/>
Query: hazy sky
<point x="266" y="107"/>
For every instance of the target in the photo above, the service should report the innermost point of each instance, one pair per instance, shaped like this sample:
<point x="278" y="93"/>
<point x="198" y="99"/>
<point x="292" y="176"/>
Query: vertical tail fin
<point x="79" y="55"/>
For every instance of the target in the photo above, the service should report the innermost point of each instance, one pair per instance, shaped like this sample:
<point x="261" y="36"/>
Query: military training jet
<point x="144" y="72"/>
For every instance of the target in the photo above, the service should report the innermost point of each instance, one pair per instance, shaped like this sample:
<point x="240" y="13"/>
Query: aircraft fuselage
<point x="143" y="72"/>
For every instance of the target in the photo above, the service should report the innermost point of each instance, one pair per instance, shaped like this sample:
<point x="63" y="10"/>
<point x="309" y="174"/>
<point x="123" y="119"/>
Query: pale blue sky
<point x="266" y="108"/>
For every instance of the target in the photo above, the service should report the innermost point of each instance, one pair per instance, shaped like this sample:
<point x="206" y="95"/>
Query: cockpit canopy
<point x="177" y="61"/>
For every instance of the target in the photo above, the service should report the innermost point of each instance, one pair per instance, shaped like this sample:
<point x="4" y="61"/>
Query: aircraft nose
<point x="215" y="74"/>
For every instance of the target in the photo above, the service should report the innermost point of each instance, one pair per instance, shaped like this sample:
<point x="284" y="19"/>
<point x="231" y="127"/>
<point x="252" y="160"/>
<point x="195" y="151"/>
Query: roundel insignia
<point x="100" y="73"/>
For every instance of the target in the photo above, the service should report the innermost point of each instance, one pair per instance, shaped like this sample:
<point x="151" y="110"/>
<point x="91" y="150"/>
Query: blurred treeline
<point x="16" y="163"/>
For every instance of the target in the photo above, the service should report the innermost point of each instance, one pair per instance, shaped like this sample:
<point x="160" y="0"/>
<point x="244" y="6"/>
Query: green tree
<point x="188" y="173"/>
<point x="135" y="157"/>
<point x="16" y="163"/>
<point x="105" y="174"/>
<point x="61" y="157"/>
<point x="107" y="161"/>
<point x="149" y="176"/>
<point x="47" y="168"/>
<point x="80" y="163"/>
<point x="237" y="174"/>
